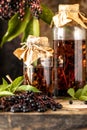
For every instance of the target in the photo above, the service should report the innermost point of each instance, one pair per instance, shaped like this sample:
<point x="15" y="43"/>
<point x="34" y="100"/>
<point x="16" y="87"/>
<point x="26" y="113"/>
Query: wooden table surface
<point x="70" y="117"/>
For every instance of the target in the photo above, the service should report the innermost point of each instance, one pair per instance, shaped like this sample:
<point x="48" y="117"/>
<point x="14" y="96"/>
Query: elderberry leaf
<point x="4" y="82"/>
<point x="46" y="14"/>
<point x="84" y="91"/>
<point x="27" y="88"/>
<point x="84" y="98"/>
<point x="71" y="92"/>
<point x="4" y="85"/>
<point x="32" y="28"/>
<point x="78" y="93"/>
<point x="6" y="93"/>
<point x="15" y="27"/>
<point x="16" y="83"/>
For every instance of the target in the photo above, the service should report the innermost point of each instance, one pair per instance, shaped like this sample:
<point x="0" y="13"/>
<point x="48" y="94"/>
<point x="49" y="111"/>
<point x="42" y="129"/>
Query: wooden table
<point x="70" y="117"/>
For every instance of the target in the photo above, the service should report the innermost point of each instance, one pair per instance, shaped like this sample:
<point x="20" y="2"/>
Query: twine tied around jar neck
<point x="67" y="14"/>
<point x="34" y="48"/>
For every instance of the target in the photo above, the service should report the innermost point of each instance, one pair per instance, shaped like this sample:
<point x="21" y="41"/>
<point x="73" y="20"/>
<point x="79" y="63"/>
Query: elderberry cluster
<point x="9" y="7"/>
<point x="28" y="102"/>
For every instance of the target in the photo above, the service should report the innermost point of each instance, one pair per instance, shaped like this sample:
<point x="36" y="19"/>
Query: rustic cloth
<point x="34" y="48"/>
<point x="67" y="14"/>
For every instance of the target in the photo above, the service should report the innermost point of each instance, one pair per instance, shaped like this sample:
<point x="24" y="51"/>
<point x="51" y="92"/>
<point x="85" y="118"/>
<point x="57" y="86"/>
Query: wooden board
<point x="71" y="117"/>
<point x="78" y="107"/>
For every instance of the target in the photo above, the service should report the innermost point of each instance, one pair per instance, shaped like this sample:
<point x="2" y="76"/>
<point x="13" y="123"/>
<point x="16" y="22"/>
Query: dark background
<point x="9" y="64"/>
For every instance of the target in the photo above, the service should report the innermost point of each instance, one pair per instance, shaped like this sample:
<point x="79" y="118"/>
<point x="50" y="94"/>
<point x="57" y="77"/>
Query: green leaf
<point x="16" y="83"/>
<point x="78" y="93"/>
<point x="27" y="88"/>
<point x="46" y="14"/>
<point x="32" y="28"/>
<point x="84" y="98"/>
<point x="84" y="91"/>
<point x="4" y="82"/>
<point x="4" y="85"/>
<point x="71" y="92"/>
<point x="6" y="93"/>
<point x="15" y="27"/>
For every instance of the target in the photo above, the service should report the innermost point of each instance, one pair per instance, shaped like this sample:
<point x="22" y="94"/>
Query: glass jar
<point x="38" y="66"/>
<point x="70" y="63"/>
<point x="40" y="75"/>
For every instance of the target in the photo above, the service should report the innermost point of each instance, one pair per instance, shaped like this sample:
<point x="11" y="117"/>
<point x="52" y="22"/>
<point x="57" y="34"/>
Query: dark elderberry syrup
<point x="40" y="75"/>
<point x="69" y="43"/>
<point x="69" y="65"/>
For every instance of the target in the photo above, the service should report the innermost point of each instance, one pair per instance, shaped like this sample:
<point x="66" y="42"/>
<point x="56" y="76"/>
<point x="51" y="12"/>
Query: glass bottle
<point x="69" y="44"/>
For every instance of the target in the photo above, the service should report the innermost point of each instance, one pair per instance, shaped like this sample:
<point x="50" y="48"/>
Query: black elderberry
<point x="33" y="104"/>
<point x="37" y="103"/>
<point x="2" y="107"/>
<point x="15" y="109"/>
<point x="24" y="107"/>
<point x="27" y="99"/>
<point x="26" y="110"/>
<point x="48" y="104"/>
<point x="70" y="102"/>
<point x="85" y="102"/>
<point x="16" y="101"/>
<point x="59" y="106"/>
<point x="31" y="94"/>
<point x="41" y="109"/>
<point x="53" y="108"/>
<point x="28" y="102"/>
<point x="9" y="7"/>
<point x="20" y="97"/>
<point x="44" y="97"/>
<point x="12" y="109"/>
<point x="31" y="100"/>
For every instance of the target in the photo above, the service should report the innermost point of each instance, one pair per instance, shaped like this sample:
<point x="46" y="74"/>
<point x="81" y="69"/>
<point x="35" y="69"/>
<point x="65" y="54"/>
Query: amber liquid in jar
<point x="69" y="65"/>
<point x="40" y="76"/>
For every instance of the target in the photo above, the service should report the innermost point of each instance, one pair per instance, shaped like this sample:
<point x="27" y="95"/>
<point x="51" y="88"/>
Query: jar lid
<point x="34" y="49"/>
<point x="68" y="14"/>
<point x="69" y="7"/>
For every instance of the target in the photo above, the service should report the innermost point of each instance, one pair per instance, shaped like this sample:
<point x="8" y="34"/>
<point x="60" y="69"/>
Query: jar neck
<point x="69" y="33"/>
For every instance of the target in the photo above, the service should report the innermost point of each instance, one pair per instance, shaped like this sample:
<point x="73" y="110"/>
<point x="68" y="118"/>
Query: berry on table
<point x="28" y="102"/>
